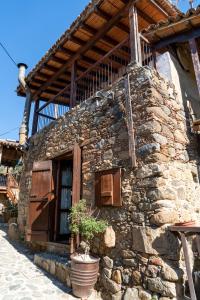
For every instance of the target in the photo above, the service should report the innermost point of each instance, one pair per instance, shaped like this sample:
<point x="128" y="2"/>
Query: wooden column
<point x="1" y="152"/>
<point x="195" y="60"/>
<point x="35" y="117"/>
<point x="134" y="36"/>
<point x="73" y="85"/>
<point x="188" y="266"/>
<point x="131" y="131"/>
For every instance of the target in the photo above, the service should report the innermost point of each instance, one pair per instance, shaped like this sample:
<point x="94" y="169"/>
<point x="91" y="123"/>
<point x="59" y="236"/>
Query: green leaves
<point x="83" y="223"/>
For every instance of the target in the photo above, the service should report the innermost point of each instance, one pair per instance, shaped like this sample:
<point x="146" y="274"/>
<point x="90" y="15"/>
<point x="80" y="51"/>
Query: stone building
<point x="111" y="125"/>
<point x="10" y="155"/>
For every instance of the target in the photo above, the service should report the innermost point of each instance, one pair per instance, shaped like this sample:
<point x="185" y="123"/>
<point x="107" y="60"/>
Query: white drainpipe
<point x="24" y="128"/>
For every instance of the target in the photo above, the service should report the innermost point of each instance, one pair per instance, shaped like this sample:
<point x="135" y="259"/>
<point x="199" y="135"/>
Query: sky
<point x="28" y="28"/>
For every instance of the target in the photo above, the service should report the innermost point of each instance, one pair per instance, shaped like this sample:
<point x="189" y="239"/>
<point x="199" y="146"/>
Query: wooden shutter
<point x="76" y="188"/>
<point x="40" y="198"/>
<point x="108" y="188"/>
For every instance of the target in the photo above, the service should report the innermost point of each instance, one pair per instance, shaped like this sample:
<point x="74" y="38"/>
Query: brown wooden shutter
<point x="76" y="189"/>
<point x="108" y="188"/>
<point x="40" y="198"/>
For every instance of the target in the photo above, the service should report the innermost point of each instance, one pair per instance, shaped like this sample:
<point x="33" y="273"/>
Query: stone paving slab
<point x="20" y="279"/>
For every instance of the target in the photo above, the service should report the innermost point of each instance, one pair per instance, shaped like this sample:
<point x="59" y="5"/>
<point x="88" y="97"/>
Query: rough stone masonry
<point x="145" y="261"/>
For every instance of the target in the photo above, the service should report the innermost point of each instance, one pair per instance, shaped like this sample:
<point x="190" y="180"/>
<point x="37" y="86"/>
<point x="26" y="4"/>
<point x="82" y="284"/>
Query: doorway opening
<point x="64" y="199"/>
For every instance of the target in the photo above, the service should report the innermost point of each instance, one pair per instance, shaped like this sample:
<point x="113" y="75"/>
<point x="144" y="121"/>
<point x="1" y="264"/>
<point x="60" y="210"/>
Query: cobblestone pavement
<point x="20" y="279"/>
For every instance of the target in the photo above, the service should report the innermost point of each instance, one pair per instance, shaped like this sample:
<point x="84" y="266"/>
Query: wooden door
<point x="76" y="189"/>
<point x="41" y="197"/>
<point x="68" y="191"/>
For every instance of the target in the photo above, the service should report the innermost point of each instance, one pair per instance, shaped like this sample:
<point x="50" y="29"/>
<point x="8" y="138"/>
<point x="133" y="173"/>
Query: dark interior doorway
<point x="64" y="199"/>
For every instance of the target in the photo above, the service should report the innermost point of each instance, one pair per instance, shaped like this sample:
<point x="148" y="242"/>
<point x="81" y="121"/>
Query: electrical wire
<point x="8" y="54"/>
<point x="9" y="131"/>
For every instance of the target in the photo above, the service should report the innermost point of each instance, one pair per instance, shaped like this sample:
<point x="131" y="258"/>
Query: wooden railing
<point x="148" y="56"/>
<point x="98" y="76"/>
<point x="50" y="113"/>
<point x="9" y="186"/>
<point x="104" y="72"/>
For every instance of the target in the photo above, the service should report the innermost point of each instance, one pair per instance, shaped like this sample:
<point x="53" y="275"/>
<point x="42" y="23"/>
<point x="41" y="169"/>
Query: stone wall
<point x="163" y="189"/>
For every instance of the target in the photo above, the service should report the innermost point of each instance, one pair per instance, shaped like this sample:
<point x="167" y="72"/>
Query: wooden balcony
<point x="9" y="187"/>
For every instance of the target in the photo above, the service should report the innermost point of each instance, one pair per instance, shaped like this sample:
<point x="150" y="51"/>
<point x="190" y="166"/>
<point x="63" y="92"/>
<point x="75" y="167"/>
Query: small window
<point x="108" y="188"/>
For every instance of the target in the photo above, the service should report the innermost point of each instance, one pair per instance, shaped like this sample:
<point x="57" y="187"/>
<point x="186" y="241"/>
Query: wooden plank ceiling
<point x="173" y="26"/>
<point x="101" y="26"/>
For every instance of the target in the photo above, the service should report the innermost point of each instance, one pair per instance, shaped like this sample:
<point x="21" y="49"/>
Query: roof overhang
<point x="100" y="27"/>
<point x="175" y="29"/>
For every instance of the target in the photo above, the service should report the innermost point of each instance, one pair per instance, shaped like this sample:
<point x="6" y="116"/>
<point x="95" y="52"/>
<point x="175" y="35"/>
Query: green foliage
<point x="17" y="171"/>
<point x="12" y="209"/>
<point x="83" y="223"/>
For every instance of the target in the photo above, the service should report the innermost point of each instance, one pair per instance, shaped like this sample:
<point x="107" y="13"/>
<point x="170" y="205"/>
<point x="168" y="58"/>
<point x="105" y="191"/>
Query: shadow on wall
<point x="178" y="69"/>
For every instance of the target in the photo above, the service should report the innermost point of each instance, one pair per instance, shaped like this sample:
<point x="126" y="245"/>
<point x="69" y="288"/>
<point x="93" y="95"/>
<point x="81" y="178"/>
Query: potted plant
<point x="84" y="267"/>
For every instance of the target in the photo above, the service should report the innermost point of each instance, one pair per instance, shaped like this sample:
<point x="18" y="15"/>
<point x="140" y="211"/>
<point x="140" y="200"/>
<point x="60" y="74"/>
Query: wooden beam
<point x="50" y="68"/>
<point x="104" y="15"/>
<point x="131" y="132"/>
<point x="105" y="28"/>
<point x="73" y="85"/>
<point x="145" y="17"/>
<point x="134" y="36"/>
<point x="162" y="11"/>
<point x="177" y="38"/>
<point x="82" y="57"/>
<point x="195" y="60"/>
<point x="106" y="39"/>
<point x="96" y="49"/>
<point x="46" y="116"/>
<point x="35" y="117"/>
<point x="82" y="75"/>
<point x="188" y="266"/>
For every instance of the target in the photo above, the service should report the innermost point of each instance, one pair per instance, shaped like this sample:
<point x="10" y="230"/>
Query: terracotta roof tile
<point x="172" y="20"/>
<point x="10" y="143"/>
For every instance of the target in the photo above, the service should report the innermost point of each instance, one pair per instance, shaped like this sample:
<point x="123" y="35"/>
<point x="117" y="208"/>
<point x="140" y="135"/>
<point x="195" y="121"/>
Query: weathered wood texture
<point x="35" y="117"/>
<point x="134" y="36"/>
<point x="40" y="198"/>
<point x="131" y="132"/>
<point x="188" y="266"/>
<point x="73" y="85"/>
<point x="91" y="42"/>
<point x="195" y="60"/>
<point x="108" y="188"/>
<point x="76" y="188"/>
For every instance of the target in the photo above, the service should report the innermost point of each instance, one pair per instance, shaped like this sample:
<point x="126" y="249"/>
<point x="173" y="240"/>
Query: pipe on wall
<point x="24" y="128"/>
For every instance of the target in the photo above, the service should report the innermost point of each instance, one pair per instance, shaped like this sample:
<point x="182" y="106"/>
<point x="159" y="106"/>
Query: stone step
<point x="57" y="248"/>
<point x="56" y="265"/>
<point x="51" y="247"/>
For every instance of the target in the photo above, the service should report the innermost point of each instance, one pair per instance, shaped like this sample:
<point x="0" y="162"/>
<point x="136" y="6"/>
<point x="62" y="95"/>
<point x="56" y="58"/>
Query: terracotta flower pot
<point x="83" y="275"/>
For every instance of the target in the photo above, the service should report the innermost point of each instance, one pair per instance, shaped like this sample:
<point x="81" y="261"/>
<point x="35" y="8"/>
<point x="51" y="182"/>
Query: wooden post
<point x="1" y="152"/>
<point x="134" y="36"/>
<point x="131" y="131"/>
<point x="73" y="85"/>
<point x="35" y="117"/>
<point x="195" y="60"/>
<point x="188" y="266"/>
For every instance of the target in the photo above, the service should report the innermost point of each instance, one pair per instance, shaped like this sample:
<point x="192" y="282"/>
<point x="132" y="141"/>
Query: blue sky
<point x="28" y="29"/>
